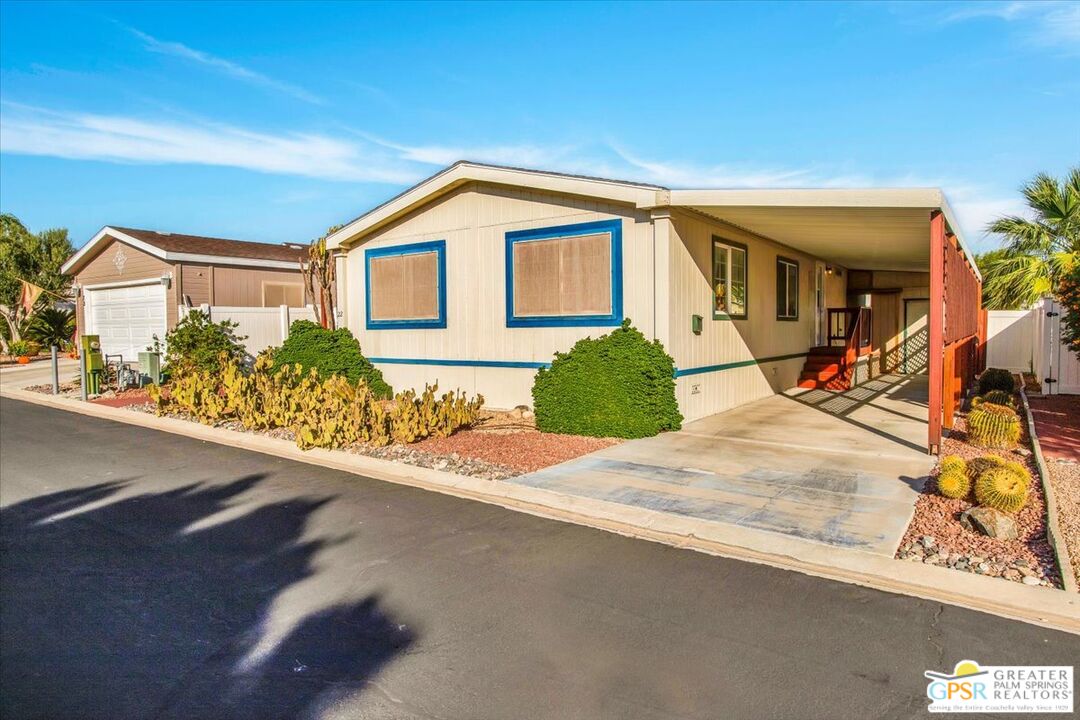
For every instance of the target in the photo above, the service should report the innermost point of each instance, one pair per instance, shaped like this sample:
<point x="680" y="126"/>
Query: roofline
<point x="930" y="198"/>
<point x="464" y="171"/>
<point x="640" y="195"/>
<point x="75" y="262"/>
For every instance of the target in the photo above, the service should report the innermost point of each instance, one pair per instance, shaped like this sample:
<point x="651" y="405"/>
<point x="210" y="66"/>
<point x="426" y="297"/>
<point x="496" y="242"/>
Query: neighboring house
<point x="131" y="283"/>
<point x="478" y="275"/>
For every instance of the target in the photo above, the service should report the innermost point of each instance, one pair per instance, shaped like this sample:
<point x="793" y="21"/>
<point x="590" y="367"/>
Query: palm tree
<point x="1038" y="251"/>
<point x="51" y="326"/>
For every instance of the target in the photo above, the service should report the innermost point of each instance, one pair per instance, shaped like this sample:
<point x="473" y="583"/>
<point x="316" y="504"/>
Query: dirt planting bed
<point x="935" y="535"/>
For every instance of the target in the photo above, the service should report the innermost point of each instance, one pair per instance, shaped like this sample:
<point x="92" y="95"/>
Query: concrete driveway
<point x="842" y="469"/>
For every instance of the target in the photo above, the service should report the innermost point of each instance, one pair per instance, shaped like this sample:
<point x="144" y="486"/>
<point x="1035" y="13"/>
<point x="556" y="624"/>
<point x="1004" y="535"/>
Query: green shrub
<point x="19" y="348"/>
<point x="196" y="343"/>
<point x="329" y="352"/>
<point x="51" y="326"/>
<point x="997" y="379"/>
<point x="618" y="385"/>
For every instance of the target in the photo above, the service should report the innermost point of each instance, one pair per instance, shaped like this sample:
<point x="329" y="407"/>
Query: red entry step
<point x="825" y="369"/>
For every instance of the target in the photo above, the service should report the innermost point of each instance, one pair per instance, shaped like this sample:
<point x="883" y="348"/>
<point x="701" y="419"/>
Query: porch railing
<point x="850" y="328"/>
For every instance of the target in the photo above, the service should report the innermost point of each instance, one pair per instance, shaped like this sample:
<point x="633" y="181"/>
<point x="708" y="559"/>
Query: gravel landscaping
<point x="1065" y="479"/>
<point x="935" y="535"/>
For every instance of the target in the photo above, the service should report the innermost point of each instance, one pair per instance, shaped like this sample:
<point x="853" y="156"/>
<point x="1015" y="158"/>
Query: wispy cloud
<point x="360" y="157"/>
<point x="29" y="130"/>
<point x="228" y="67"/>
<point x="1047" y="24"/>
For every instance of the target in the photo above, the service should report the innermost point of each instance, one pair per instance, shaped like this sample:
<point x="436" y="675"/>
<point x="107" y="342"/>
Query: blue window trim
<point x="615" y="318"/>
<point x="439" y="246"/>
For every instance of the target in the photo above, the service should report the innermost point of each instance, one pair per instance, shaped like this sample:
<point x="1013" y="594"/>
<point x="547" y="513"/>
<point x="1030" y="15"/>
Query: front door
<point x="820" y="310"/>
<point x="916" y="343"/>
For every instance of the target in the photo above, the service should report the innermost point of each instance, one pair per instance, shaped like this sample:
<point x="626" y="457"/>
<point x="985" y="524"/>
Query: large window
<point x="277" y="293"/>
<point x="787" y="289"/>
<point x="728" y="279"/>
<point x="566" y="275"/>
<point x="406" y="286"/>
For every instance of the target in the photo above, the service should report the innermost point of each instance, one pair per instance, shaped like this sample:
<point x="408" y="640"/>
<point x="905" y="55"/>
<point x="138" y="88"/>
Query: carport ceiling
<point x="880" y="229"/>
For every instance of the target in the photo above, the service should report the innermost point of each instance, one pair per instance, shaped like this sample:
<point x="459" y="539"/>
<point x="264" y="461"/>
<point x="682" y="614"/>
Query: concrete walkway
<point x="38" y="372"/>
<point x="839" y="469"/>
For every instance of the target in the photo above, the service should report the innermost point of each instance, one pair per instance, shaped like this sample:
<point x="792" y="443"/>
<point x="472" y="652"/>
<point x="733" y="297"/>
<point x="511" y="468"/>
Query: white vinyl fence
<point x="1030" y="341"/>
<point x="264" y="327"/>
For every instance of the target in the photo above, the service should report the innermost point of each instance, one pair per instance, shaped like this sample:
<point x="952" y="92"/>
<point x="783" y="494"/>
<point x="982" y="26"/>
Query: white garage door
<point x="126" y="318"/>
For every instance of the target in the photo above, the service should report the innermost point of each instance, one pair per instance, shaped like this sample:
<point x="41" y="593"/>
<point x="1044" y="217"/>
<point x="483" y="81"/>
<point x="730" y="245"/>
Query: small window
<point x="569" y="275"/>
<point x="275" y="294"/>
<point x="729" y="280"/>
<point x="406" y="286"/>
<point x="787" y="289"/>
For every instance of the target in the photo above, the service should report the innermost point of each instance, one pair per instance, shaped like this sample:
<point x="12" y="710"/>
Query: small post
<point x="284" y="322"/>
<point x="55" y="373"/>
<point x="82" y="372"/>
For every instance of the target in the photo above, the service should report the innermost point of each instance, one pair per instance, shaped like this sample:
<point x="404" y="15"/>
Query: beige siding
<point x="242" y="287"/>
<point x="138" y="265"/>
<point x="473" y="221"/>
<point x="195" y="283"/>
<point x="723" y="342"/>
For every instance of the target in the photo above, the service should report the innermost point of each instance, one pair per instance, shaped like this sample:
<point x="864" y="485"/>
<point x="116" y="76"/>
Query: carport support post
<point x="55" y="373"/>
<point x="937" y="329"/>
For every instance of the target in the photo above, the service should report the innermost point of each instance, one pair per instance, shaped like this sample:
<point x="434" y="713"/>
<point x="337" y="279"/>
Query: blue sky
<point x="271" y="122"/>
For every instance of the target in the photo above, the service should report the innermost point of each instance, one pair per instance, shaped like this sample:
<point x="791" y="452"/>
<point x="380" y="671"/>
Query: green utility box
<point x="90" y="347"/>
<point x="150" y="368"/>
<point x="695" y="324"/>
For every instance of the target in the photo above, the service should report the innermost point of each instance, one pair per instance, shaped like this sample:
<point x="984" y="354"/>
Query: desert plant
<point x="197" y="343"/>
<point x="954" y="483"/>
<point x="618" y="385"/>
<point x="993" y="426"/>
<point x="330" y="412"/>
<point x="997" y="397"/>
<point x="1002" y="488"/>
<point x="51" y="326"/>
<point x="953" y="462"/>
<point x="19" y="348"/>
<point x="997" y="379"/>
<point x="329" y="352"/>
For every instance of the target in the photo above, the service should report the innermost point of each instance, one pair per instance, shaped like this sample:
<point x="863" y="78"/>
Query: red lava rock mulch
<point x="1057" y="423"/>
<point x="937" y="517"/>
<point x="525" y="450"/>
<point x="124" y="399"/>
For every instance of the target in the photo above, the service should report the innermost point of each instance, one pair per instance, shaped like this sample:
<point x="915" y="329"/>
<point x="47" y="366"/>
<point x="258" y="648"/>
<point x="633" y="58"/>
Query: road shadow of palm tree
<point x="147" y="605"/>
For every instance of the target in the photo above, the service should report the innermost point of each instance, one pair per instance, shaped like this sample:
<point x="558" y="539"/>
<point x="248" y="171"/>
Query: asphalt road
<point x="146" y="575"/>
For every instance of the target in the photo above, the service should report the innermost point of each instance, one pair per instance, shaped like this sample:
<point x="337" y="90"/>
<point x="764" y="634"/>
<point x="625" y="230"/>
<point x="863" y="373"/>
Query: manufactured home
<point x="476" y="276"/>
<point x="133" y="284"/>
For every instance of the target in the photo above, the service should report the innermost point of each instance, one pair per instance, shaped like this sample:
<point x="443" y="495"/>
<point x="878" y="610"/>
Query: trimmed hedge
<point x="619" y="385"/>
<point x="997" y="379"/>
<point x="330" y="352"/>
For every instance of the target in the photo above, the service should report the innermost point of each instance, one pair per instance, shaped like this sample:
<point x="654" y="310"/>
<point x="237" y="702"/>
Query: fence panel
<point x="264" y="327"/>
<point x="1011" y="341"/>
<point x="1060" y="368"/>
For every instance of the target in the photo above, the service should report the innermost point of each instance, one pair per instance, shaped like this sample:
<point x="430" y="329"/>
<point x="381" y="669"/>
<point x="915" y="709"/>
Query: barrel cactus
<point x="1002" y="488"/>
<point x="954" y="483"/>
<point x="993" y="426"/>
<point x="997" y="397"/>
<point x="953" y="462"/>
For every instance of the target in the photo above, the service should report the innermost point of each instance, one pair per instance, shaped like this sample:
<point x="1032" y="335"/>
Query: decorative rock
<point x="1026" y="571"/>
<point x="961" y="564"/>
<point x="1031" y="581"/>
<point x="927" y="541"/>
<point x="1021" y="562"/>
<point x="1011" y="574"/>
<point x="982" y="568"/>
<point x="990" y="522"/>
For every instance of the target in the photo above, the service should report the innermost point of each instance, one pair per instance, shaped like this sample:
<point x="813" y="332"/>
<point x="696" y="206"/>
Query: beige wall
<point x="236" y="286"/>
<point x="138" y="265"/>
<point x="473" y="221"/>
<point x="723" y="342"/>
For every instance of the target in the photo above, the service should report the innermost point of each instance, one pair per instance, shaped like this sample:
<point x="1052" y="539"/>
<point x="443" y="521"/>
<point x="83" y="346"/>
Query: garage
<point x="126" y="318"/>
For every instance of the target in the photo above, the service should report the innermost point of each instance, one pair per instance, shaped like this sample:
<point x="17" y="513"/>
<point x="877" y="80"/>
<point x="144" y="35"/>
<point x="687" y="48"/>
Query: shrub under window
<point x="331" y="352"/>
<point x="618" y="385"/>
